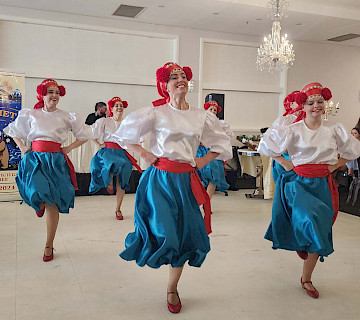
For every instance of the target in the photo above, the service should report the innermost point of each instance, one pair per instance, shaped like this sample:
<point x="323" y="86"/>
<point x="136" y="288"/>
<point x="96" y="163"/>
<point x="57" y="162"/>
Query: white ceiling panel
<point x="307" y="20"/>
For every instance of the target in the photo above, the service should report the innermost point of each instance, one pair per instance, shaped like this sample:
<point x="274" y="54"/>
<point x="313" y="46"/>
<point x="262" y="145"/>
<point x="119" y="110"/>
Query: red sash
<point x="113" y="145"/>
<point x="51" y="146"/>
<point x="321" y="171"/>
<point x="197" y="187"/>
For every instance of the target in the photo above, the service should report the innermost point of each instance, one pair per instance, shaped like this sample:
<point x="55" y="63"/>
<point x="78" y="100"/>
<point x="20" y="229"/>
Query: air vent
<point x="128" y="11"/>
<point x="345" y="37"/>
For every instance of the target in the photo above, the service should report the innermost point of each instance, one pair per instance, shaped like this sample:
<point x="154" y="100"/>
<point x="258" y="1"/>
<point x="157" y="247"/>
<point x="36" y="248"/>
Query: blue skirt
<point x="277" y="168"/>
<point x="107" y="163"/>
<point x="302" y="215"/>
<point x="213" y="172"/>
<point x="45" y="177"/>
<point x="169" y="227"/>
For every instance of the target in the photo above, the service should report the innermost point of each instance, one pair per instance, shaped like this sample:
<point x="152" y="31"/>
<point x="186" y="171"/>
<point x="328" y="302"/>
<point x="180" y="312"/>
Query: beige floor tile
<point x="242" y="277"/>
<point x="7" y="289"/>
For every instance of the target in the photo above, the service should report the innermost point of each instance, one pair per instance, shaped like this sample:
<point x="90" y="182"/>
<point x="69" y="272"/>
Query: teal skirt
<point x="108" y="163"/>
<point x="169" y="227"/>
<point x="302" y="215"/>
<point x="213" y="172"/>
<point x="44" y="177"/>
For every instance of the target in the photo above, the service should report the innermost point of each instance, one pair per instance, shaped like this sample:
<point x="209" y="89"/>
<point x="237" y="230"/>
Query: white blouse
<point x="38" y="124"/>
<point x="175" y="134"/>
<point x="284" y="121"/>
<point x="307" y="146"/>
<point x="103" y="129"/>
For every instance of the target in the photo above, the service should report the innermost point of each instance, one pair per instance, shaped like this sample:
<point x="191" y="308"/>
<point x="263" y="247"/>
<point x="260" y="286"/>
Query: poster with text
<point x="12" y="87"/>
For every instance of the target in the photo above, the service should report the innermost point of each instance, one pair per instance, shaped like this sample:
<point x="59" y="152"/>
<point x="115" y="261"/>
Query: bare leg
<point x="174" y="277"/>
<point x="309" y="266"/>
<point x="52" y="221"/>
<point x="211" y="189"/>
<point x="119" y="197"/>
<point x="111" y="184"/>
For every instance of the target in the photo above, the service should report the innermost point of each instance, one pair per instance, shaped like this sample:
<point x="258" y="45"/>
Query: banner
<point x="12" y="90"/>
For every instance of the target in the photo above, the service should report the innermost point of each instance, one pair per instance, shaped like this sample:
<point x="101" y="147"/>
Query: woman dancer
<point x="111" y="161"/>
<point x="169" y="228"/>
<point x="46" y="178"/>
<point x="293" y="113"/>
<point x="306" y="200"/>
<point x="213" y="174"/>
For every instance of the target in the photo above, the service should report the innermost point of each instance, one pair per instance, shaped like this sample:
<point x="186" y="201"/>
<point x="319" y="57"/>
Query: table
<point x="259" y="166"/>
<point x="247" y="166"/>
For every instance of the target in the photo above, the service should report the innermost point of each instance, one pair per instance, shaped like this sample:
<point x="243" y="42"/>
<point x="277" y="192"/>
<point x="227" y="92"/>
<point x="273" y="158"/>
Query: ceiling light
<point x="276" y="53"/>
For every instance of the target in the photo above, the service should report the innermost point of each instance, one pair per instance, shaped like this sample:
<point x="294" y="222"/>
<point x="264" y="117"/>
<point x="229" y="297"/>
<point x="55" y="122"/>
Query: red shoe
<point x="302" y="254"/>
<point x="50" y="257"/>
<point x="119" y="217"/>
<point x="40" y="212"/>
<point x="110" y="190"/>
<point x="313" y="294"/>
<point x="174" y="308"/>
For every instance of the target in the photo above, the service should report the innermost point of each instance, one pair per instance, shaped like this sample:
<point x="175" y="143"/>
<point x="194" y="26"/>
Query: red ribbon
<point x="321" y="171"/>
<point x="113" y="145"/>
<point x="197" y="187"/>
<point x="51" y="146"/>
<point x="301" y="115"/>
<point x="161" y="102"/>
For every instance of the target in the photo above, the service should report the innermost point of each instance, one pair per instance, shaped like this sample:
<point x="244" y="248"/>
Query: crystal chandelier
<point x="276" y="53"/>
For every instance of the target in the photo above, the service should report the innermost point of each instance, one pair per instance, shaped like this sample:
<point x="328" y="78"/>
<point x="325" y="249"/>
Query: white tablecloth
<point x="248" y="166"/>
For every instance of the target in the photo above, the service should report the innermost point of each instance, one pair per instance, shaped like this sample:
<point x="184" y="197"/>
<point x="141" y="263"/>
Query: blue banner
<point x="11" y="97"/>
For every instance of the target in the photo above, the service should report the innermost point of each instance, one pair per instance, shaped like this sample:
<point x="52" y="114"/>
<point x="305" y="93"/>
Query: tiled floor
<point x="242" y="277"/>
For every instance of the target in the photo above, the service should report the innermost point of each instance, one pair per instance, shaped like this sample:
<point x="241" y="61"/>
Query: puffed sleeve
<point x="226" y="128"/>
<point x="134" y="126"/>
<point x="20" y="128"/>
<point x="98" y="128"/>
<point x="80" y="130"/>
<point x="275" y="141"/>
<point x="283" y="121"/>
<point x="348" y="146"/>
<point x="215" y="138"/>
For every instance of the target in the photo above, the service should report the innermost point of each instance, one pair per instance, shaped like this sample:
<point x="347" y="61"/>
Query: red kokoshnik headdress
<point x="314" y="89"/>
<point x="289" y="99"/>
<point x="111" y="104"/>
<point x="163" y="76"/>
<point x="42" y="91"/>
<point x="208" y="104"/>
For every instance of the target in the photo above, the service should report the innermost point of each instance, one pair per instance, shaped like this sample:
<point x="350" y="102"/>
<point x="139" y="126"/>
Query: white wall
<point x="251" y="97"/>
<point x="247" y="112"/>
<point x="81" y="96"/>
<point x="336" y="67"/>
<point x="92" y="65"/>
<point x="187" y="53"/>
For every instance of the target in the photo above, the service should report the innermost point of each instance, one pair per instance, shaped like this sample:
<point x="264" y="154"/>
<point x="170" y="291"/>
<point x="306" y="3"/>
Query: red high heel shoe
<point x="50" y="257"/>
<point x="40" y="212"/>
<point x="313" y="294"/>
<point x="302" y="254"/>
<point x="174" y="308"/>
<point x="119" y="217"/>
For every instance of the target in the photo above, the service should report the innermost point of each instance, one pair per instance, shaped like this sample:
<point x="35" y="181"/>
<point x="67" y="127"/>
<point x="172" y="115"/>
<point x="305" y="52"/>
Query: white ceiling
<point x="307" y="20"/>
